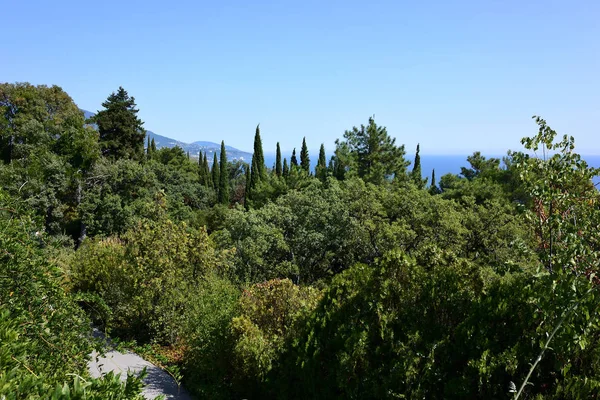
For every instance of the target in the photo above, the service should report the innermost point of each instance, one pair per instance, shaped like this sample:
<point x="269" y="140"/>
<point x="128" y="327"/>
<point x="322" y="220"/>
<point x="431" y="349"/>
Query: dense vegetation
<point x="360" y="280"/>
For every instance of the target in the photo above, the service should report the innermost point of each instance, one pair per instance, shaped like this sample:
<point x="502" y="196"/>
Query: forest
<point x="365" y="278"/>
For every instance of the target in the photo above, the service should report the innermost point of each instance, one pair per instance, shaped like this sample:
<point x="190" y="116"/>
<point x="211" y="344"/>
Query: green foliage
<point x="269" y="315"/>
<point x="223" y="196"/>
<point x="370" y="153"/>
<point x="321" y="170"/>
<point x="207" y="362"/>
<point x="278" y="169"/>
<point x="416" y="174"/>
<point x="145" y="275"/>
<point x="121" y="131"/>
<point x="44" y="336"/>
<point x="304" y="158"/>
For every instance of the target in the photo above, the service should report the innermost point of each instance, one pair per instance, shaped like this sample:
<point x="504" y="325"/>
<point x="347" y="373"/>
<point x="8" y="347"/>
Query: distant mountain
<point x="193" y="148"/>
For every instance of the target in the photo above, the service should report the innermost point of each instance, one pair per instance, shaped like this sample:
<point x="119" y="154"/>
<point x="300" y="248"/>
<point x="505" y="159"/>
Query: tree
<point x="372" y="154"/>
<point x="294" y="160"/>
<point x="304" y="158"/>
<point x="416" y="171"/>
<point x="121" y="131"/>
<point x="224" y="177"/>
<point x="321" y="170"/>
<point x="258" y="155"/>
<point x="278" y="169"/>
<point x="215" y="173"/>
<point x="153" y="145"/>
<point x="286" y="169"/>
<point x="207" y="175"/>
<point x="433" y="189"/>
<point x="247" y="188"/>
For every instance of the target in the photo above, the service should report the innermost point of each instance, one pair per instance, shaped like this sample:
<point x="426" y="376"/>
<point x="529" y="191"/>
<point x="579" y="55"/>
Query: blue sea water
<point x="443" y="164"/>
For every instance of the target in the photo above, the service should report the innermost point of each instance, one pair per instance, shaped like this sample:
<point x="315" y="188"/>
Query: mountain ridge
<point x="193" y="148"/>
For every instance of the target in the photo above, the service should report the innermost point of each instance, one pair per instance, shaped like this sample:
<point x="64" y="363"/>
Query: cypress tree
<point x="278" y="169"/>
<point x="304" y="158"/>
<point x="148" y="147"/>
<point x="416" y="171"/>
<point x="215" y="173"/>
<point x="153" y="145"/>
<point x="201" y="176"/>
<point x="207" y="176"/>
<point x="223" y="177"/>
<point x="286" y="169"/>
<point x="294" y="160"/>
<point x="321" y="170"/>
<point x="247" y="188"/>
<point x="258" y="154"/>
<point x="188" y="155"/>
<point x="433" y="188"/>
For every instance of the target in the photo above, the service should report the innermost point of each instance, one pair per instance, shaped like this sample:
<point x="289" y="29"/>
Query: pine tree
<point x="304" y="158"/>
<point x="372" y="154"/>
<point x="321" y="170"/>
<point x="223" y="177"/>
<point x="215" y="173"/>
<point x="286" y="169"/>
<point x="294" y="160"/>
<point x="278" y="169"/>
<point x="121" y="132"/>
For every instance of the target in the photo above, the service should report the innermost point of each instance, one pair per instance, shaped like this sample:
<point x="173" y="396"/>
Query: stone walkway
<point x="158" y="382"/>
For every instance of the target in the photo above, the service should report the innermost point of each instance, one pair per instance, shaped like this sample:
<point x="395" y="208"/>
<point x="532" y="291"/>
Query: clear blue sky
<point x="456" y="76"/>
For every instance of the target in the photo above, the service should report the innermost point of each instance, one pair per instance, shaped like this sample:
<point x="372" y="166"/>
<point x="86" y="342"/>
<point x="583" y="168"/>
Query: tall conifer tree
<point x="304" y="158"/>
<point x="416" y="174"/>
<point x="278" y="168"/>
<point x="223" y="176"/>
<point x="215" y="173"/>
<point x="294" y="160"/>
<point x="286" y="169"/>
<point x="153" y="145"/>
<point x="121" y="131"/>
<point x="258" y="154"/>
<point x="321" y="170"/>
<point x="207" y="175"/>
<point x="247" y="188"/>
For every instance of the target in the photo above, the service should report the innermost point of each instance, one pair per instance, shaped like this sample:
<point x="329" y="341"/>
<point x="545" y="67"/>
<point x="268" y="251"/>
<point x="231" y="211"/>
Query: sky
<point x="454" y="76"/>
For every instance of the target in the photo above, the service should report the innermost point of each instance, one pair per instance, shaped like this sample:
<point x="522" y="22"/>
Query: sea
<point x="446" y="164"/>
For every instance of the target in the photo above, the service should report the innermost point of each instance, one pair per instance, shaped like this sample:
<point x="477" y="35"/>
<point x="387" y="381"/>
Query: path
<point x="158" y="382"/>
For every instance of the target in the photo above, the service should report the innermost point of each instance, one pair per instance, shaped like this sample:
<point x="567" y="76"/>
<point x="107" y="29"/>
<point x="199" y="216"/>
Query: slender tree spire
<point x="286" y="169"/>
<point x="223" y="176"/>
<point x="294" y="160"/>
<point x="433" y="188"/>
<point x="215" y="173"/>
<point x="321" y="170"/>
<point x="304" y="158"/>
<point x="207" y="176"/>
<point x="416" y="171"/>
<point x="258" y="154"/>
<point x="153" y="145"/>
<point x="148" y="147"/>
<point x="201" y="174"/>
<point x="247" y="188"/>
<point x="278" y="168"/>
